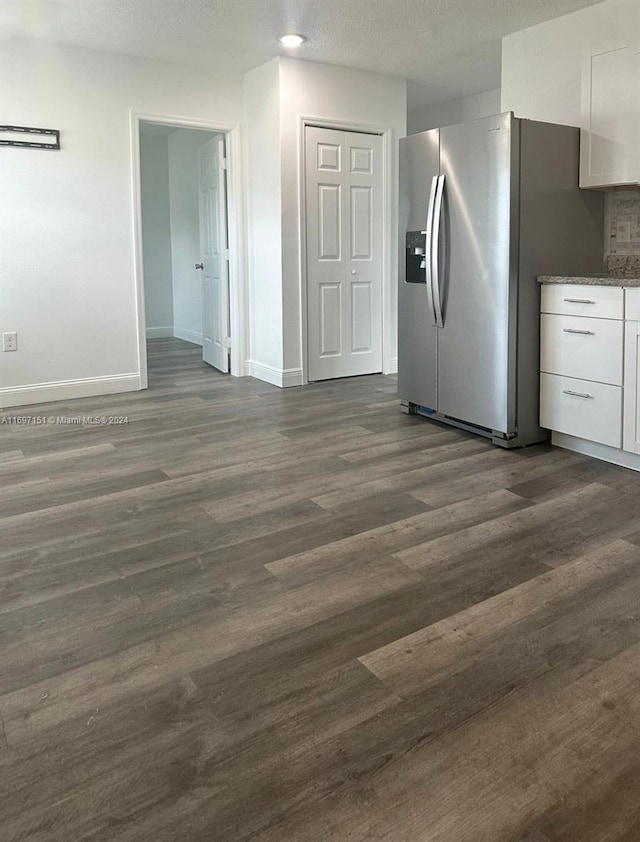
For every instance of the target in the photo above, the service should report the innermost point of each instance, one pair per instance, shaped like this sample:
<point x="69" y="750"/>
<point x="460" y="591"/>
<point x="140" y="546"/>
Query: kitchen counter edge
<point x="604" y="281"/>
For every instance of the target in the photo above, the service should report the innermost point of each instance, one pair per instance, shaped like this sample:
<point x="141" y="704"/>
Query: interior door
<point x="417" y="333"/>
<point x="213" y="251"/>
<point x="476" y="344"/>
<point x="344" y="253"/>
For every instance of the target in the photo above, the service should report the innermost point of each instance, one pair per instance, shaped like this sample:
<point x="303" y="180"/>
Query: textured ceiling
<point x="450" y="47"/>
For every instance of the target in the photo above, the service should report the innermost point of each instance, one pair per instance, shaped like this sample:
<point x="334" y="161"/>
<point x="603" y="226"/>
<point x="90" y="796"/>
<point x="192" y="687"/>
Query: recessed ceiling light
<point x="292" y="40"/>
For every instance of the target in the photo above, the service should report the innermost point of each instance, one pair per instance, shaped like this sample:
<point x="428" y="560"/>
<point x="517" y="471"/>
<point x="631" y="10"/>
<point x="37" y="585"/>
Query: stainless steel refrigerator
<point x="485" y="207"/>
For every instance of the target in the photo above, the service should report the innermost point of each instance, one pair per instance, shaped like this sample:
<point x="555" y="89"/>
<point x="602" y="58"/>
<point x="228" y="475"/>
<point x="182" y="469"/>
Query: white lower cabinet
<point x="590" y="371"/>
<point x="581" y="408"/>
<point x="583" y="300"/>
<point x="577" y="346"/>
<point x="631" y="424"/>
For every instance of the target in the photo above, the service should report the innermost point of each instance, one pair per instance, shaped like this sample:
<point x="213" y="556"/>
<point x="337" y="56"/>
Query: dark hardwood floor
<point x="262" y="614"/>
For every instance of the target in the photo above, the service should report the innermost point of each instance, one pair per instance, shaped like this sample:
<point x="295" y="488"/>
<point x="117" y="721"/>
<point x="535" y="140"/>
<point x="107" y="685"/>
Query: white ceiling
<point x="450" y="47"/>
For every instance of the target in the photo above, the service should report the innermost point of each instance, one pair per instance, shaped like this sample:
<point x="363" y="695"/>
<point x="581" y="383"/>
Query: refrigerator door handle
<point x="429" y="246"/>
<point x="435" y="253"/>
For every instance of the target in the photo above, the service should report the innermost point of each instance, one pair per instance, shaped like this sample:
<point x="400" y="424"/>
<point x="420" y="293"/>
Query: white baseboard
<point x="159" y="333"/>
<point x="598" y="451"/>
<point x="292" y="377"/>
<point x="187" y="335"/>
<point x="277" y="376"/>
<point x="393" y="366"/>
<point x="63" y="390"/>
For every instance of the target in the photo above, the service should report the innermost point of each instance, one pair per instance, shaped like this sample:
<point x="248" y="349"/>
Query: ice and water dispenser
<point x="416" y="260"/>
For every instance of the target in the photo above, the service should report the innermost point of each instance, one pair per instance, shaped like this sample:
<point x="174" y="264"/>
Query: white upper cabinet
<point x="610" y="136"/>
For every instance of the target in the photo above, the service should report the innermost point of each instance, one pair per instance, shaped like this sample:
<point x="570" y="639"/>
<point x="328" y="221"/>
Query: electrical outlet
<point x="10" y="341"/>
<point x="623" y="231"/>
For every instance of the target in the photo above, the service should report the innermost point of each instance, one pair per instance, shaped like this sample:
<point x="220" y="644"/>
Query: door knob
<point x="354" y="272"/>
<point x="199" y="265"/>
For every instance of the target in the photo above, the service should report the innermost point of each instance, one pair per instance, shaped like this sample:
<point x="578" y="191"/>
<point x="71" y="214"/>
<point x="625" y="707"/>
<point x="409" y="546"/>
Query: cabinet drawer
<point x="588" y="410"/>
<point x="590" y="349"/>
<point x="583" y="300"/>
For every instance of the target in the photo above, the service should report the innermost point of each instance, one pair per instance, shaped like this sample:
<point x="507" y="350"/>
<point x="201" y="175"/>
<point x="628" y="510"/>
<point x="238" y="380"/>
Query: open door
<point x="214" y="254"/>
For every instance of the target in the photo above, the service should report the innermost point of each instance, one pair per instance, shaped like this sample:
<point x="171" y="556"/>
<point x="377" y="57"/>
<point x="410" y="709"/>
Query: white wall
<point x="66" y="219"/>
<point x="277" y="95"/>
<point x="542" y="65"/>
<point x="454" y="111"/>
<point x="156" y="235"/>
<point x="185" y="232"/>
<point x="326" y="92"/>
<point x="262" y="118"/>
<point x="67" y="262"/>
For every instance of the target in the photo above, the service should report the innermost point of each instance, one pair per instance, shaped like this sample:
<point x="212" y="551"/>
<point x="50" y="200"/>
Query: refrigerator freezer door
<point x="417" y="336"/>
<point x="478" y="275"/>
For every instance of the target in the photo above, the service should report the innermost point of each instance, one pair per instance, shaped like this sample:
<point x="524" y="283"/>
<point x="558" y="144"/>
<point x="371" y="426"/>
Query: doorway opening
<point x="186" y="233"/>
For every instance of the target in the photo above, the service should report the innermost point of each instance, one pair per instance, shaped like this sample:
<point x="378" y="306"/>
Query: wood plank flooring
<point x="267" y="615"/>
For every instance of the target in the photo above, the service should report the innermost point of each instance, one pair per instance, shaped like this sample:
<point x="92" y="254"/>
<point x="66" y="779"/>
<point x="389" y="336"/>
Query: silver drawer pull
<point x="579" y="301"/>
<point x="583" y="332"/>
<point x="576" y="394"/>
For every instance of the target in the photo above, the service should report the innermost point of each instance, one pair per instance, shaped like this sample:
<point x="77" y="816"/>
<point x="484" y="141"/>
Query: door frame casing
<point x="389" y="360"/>
<point x="238" y="296"/>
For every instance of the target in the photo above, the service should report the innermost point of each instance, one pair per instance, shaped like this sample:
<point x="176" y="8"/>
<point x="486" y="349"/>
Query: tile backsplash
<point x="623" y="215"/>
<point x="623" y="265"/>
<point x="625" y="221"/>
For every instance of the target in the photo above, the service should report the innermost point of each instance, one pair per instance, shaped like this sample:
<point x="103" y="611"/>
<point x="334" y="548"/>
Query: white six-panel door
<point x="344" y="253"/>
<point x="215" y="283"/>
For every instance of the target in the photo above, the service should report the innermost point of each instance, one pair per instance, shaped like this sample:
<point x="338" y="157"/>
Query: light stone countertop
<point x="604" y="281"/>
